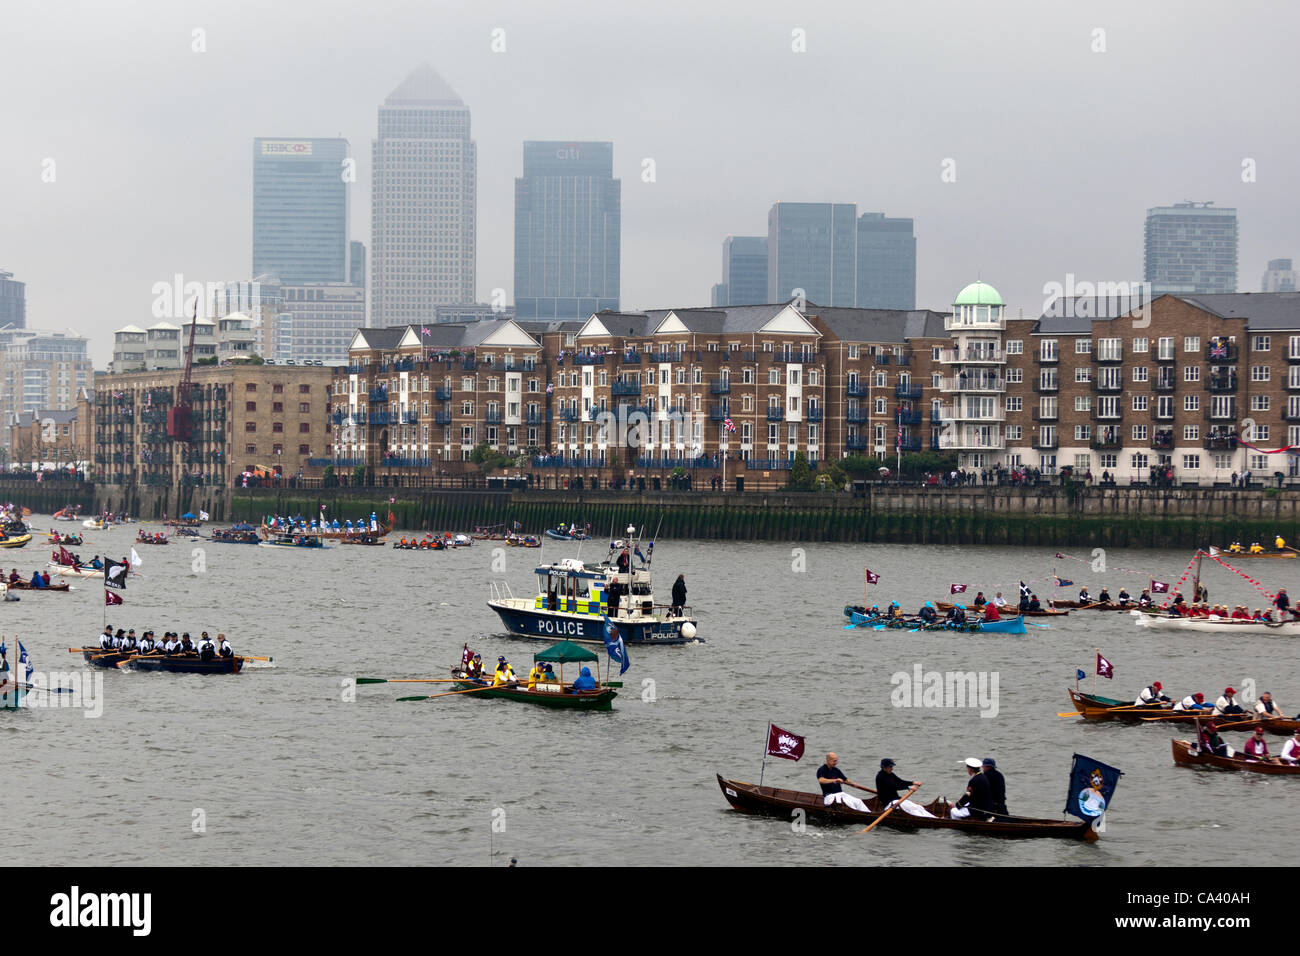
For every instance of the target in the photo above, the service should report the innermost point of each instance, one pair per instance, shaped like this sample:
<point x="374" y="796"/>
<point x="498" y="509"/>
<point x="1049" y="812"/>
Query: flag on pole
<point x="1079" y="675"/>
<point x="1063" y="582"/>
<point x="1092" y="784"/>
<point x="136" y="560"/>
<point x="1214" y="552"/>
<point x="957" y="589"/>
<point x="114" y="574"/>
<point x="203" y="515"/>
<point x="1105" y="668"/>
<point x="1025" y="593"/>
<point x="728" y="424"/>
<point x="782" y="743"/>
<point x="110" y="598"/>
<point x="1159" y="587"/>
<point x="872" y="577"/>
<point x="615" y="647"/>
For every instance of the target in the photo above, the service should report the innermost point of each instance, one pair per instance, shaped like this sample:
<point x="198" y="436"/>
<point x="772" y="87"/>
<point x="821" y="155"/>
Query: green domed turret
<point x="978" y="293"/>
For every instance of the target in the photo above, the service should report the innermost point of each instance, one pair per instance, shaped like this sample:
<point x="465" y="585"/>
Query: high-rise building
<point x="567" y="228"/>
<point x="886" y="262"/>
<point x="422" y="247"/>
<point x="300" y="209"/>
<point x="41" y="370"/>
<point x="1279" y="277"/>
<point x="744" y="271"/>
<point x="13" y="302"/>
<point x="1191" y="248"/>
<point x="357" y="264"/>
<point x="812" y="247"/>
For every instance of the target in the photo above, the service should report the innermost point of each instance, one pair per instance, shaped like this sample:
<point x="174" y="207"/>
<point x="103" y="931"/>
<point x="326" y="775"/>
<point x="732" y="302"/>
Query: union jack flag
<point x="424" y="330"/>
<point x="898" y="442"/>
<point x="1218" y="349"/>
<point x="728" y="424"/>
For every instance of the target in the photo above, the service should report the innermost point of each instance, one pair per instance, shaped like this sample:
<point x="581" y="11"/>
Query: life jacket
<point x="226" y="649"/>
<point x="206" y="651"/>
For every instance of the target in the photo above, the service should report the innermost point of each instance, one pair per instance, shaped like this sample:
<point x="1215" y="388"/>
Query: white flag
<point x="135" y="559"/>
<point x="203" y="516"/>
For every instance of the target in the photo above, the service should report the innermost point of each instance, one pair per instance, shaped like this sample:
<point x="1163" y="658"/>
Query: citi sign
<point x="568" y="152"/>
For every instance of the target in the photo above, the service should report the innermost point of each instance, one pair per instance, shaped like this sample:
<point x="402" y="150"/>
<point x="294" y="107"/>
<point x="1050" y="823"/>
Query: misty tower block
<point x="13" y="302"/>
<point x="1191" y="248"/>
<point x="886" y="262"/>
<point x="813" y="247"/>
<point x="300" y="209"/>
<point x="744" y="271"/>
<point x="567" y="231"/>
<point x="422" y="248"/>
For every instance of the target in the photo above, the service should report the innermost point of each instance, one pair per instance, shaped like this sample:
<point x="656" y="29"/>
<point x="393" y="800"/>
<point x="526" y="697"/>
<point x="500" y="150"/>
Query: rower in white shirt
<point x="1192" y="702"/>
<point x="106" y="639"/>
<point x="1152" y="694"/>
<point x="207" y="650"/>
<point x="1266" y="708"/>
<point x="146" y="643"/>
<point x="1227" y="704"/>
<point x="1291" y="749"/>
<point x="223" y="647"/>
<point x="999" y="600"/>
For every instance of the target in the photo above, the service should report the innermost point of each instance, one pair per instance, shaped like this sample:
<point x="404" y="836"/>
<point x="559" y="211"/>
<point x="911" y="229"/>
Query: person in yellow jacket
<point x="503" y="675"/>
<point x="1256" y="548"/>
<point x="534" y="675"/>
<point x="1279" y="543"/>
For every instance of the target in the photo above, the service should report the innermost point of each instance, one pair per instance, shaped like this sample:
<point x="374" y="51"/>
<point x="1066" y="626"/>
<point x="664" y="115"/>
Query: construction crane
<point x="180" y="425"/>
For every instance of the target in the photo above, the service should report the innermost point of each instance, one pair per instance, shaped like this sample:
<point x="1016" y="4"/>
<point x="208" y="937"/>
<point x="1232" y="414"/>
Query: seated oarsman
<point x="997" y="785"/>
<point x="503" y="674"/>
<point x="976" y="798"/>
<point x="830" y="778"/>
<point x="1257" y="747"/>
<point x="1235" y="548"/>
<point x="1124" y="596"/>
<point x="1240" y="613"/>
<point x="223" y="647"/>
<point x="1084" y="597"/>
<point x="207" y="650"/>
<point x="14" y="577"/>
<point x="1192" y="702"/>
<point x="169" y="643"/>
<point x="1034" y="603"/>
<point x="1152" y="694"/>
<point x="548" y="675"/>
<point x="1211" y="742"/>
<point x="118" y="638"/>
<point x="187" y="646"/>
<point x="1256" y="548"/>
<point x="1178" y="600"/>
<point x="999" y="600"/>
<point x="980" y="599"/>
<point x="130" y="644"/>
<point x="889" y="787"/>
<point x="146" y="643"/>
<point x="927" y="613"/>
<point x="991" y="613"/>
<point x="37" y="581"/>
<point x="1266" y="708"/>
<point x="1291" y="749"/>
<point x="1227" y="704"/>
<point x="106" y="639"/>
<point x="956" y="615"/>
<point x="1144" y="599"/>
<point x="1104" y="596"/>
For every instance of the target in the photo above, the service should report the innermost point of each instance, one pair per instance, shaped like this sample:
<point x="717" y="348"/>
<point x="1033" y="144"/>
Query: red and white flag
<point x="957" y="589"/>
<point x="1160" y="587"/>
<point x="782" y="743"/>
<point x="110" y="598"/>
<point x="872" y="577"/>
<point x="1105" y="668"/>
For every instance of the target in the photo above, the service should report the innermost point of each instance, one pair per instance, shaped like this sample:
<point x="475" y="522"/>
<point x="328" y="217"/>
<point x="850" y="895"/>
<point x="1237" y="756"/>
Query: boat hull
<point x="1187" y="756"/>
<point x="1014" y="625"/>
<point x="16" y="541"/>
<point x="11" y="695"/>
<point x="1215" y="625"/>
<point x="1092" y="707"/>
<point x="588" y="629"/>
<point x="582" y="700"/>
<point x="68" y="571"/>
<point x="775" y="802"/>
<point x="171" y="665"/>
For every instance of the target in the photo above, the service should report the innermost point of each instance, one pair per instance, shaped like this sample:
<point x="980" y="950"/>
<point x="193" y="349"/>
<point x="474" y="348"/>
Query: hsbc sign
<point x="286" y="147"/>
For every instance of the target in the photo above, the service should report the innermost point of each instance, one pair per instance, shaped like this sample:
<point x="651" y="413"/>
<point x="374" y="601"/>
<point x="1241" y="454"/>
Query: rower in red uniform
<point x="1257" y="747"/>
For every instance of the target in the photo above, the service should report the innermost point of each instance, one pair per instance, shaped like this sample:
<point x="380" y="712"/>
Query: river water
<point x="284" y="765"/>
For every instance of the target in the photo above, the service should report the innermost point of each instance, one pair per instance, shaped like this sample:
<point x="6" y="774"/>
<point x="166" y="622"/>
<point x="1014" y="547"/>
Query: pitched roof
<point x="423" y="87"/>
<point x="880" y="325"/>
<point x="1261" y="310"/>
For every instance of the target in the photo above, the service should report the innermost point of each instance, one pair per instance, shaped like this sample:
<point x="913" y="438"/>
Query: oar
<point x="468" y="690"/>
<point x="408" y="680"/>
<point x="891" y="809"/>
<point x="1036" y="624"/>
<point x="1069" y="713"/>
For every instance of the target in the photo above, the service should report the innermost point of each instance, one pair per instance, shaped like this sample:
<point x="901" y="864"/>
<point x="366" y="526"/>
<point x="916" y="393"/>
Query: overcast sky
<point x="1058" y="149"/>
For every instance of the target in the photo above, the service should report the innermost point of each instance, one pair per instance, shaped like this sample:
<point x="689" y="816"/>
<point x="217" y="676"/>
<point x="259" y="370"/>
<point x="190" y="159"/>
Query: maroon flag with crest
<point x="872" y="577"/>
<point x="782" y="743"/>
<point x="1104" y="668"/>
<point x="957" y="589"/>
<point x="1159" y="587"/>
<point x="110" y="598"/>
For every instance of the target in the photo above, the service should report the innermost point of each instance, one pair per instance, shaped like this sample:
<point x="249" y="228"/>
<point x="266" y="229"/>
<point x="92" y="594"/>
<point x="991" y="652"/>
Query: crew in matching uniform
<point x="1257" y="747"/>
<point x="187" y="647"/>
<point x="223" y="647"/>
<point x="1227" y="704"/>
<point x="977" y="798"/>
<point x="106" y="639"/>
<point x="504" y="674"/>
<point x="1266" y="708"/>
<point x="207" y="650"/>
<point x="1291" y="749"/>
<point x="889" y="787"/>
<point x="1152" y="694"/>
<point x="1192" y="702"/>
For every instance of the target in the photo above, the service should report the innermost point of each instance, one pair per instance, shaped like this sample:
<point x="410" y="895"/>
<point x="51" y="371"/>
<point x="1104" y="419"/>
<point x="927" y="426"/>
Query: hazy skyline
<point x="1058" y="150"/>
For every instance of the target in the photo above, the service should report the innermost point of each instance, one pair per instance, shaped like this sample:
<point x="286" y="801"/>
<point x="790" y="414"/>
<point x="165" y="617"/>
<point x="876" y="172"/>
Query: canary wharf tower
<point x="423" y="213"/>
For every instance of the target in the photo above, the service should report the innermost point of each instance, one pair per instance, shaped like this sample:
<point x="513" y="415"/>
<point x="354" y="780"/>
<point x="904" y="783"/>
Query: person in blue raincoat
<point x="585" y="681"/>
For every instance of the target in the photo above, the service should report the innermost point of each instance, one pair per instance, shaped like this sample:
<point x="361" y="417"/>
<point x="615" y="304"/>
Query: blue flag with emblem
<point x="1092" y="784"/>
<point x="22" y="659"/>
<point x="615" y="647"/>
<point x="1079" y="675"/>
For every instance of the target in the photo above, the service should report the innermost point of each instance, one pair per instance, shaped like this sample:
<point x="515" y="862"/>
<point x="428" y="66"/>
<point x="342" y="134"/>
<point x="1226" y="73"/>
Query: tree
<point x="359" y="475"/>
<point x="800" y="474"/>
<point x="328" y="479"/>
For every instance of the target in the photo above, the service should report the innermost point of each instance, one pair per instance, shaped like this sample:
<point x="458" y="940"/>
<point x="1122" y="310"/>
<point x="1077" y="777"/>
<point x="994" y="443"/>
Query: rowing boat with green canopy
<point x="553" y="693"/>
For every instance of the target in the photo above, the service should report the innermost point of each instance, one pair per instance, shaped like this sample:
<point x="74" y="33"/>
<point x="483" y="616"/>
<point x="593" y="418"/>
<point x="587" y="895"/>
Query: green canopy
<point x="565" y="652"/>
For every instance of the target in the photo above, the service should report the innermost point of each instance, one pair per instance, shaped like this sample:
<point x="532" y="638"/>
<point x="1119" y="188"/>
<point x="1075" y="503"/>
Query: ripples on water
<point x="287" y="772"/>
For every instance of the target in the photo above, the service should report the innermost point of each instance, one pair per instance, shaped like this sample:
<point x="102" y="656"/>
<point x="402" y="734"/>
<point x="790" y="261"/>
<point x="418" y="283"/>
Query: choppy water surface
<point x="286" y="771"/>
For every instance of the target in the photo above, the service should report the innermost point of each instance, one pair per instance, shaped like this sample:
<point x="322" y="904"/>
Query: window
<point x="250" y="406"/>
<point x="304" y="428"/>
<point x="467" y="408"/>
<point x="304" y="408"/>
<point x="250" y="387"/>
<point x="1139" y="462"/>
<point x="1107" y="462"/>
<point x="277" y="389"/>
<point x="1223" y="462"/>
<point x="304" y="449"/>
<point x="936" y="380"/>
<point x="1082" y="432"/>
<point x="814" y="377"/>
<point x="880" y="406"/>
<point x="1191" y="403"/>
<point x="1083" y="403"/>
<point x="853" y="351"/>
<point x="1140" y="403"/>
<point x="1261" y="433"/>
<point x="1108" y="406"/>
<point x="306" y="390"/>
<point x="1139" y="433"/>
<point x="1109" y="350"/>
<point x="467" y="384"/>
<point x="1015" y="347"/>
<point x="250" y="449"/>
<point x="277" y="406"/>
<point x="277" y="427"/>
<point x="1015" y="432"/>
<point x="1141" y="345"/>
<point x="774" y="376"/>
<point x="1259" y="343"/>
<point x="1259" y="403"/>
<point x="1191" y="373"/>
<point x="747" y="376"/>
<point x="250" y="426"/>
<point x="1192" y="462"/>
<point x="1015" y="403"/>
<point x="1015" y="376"/>
<point x="1191" y="433"/>
<point x="1140" y="373"/>
<point x="1258" y="462"/>
<point x="1191" y="343"/>
<point x="1165" y="348"/>
<point x="1083" y="374"/>
<point x="793" y="377"/>
<point x="1047" y="350"/>
<point x="881" y="379"/>
<point x="1083" y="346"/>
<point x="1259" y="373"/>
<point x="277" y="449"/>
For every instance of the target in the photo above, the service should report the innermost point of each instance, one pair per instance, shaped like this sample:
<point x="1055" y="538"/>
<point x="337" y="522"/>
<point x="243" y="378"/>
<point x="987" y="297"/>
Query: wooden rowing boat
<point x="27" y="586"/>
<point x="554" y="695"/>
<point x="1234" y="555"/>
<point x="1186" y="755"/>
<point x="973" y="625"/>
<point x="1095" y="606"/>
<point x="972" y="609"/>
<point x="175" y="664"/>
<point x="776" y="802"/>
<point x="1093" y="707"/>
<point x="1214" y="624"/>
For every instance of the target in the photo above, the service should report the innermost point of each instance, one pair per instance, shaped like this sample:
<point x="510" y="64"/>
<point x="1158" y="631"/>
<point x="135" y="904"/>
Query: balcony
<point x="1293" y="355"/>
<point x="910" y="392"/>
<point x="1157" y="415"/>
<point x="972" y="442"/>
<point x="1046" y="444"/>
<point x="569" y="414"/>
<point x="1223" y="352"/>
<point x="588" y="359"/>
<point x="392" y="462"/>
<point x="1291" y="414"/>
<point x="1052" y="416"/>
<point x="973" y="383"/>
<point x="775" y="413"/>
<point x="378" y="396"/>
<point x="410" y="418"/>
<point x="972" y="356"/>
<point x="626" y="388"/>
<point x="1048" y="358"/>
<point x="907" y="418"/>
<point x="955" y="413"/>
<point x="857" y="390"/>
<point x="537" y="417"/>
<point x="1047" y="388"/>
<point x="338" y="418"/>
<point x="856" y="444"/>
<point x="856" y="416"/>
<point x="492" y="417"/>
<point x="904" y="360"/>
<point x="749" y="356"/>
<point x="1105" y="443"/>
<point x="814" y="413"/>
<point x="1112" y="355"/>
<point x="381" y="418"/>
<point x="1163" y="384"/>
<point x="909" y="445"/>
<point x="984" y="323"/>
<point x="1229" y="415"/>
<point x="442" y="395"/>
<point x="1220" y="442"/>
<point x="442" y="418"/>
<point x="1109" y="417"/>
<point x="718" y="412"/>
<point x="1162" y="441"/>
<point x="1166" y="355"/>
<point x="1221" y="384"/>
<point x="881" y="358"/>
<point x="721" y="388"/>
<point x="631" y="358"/>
